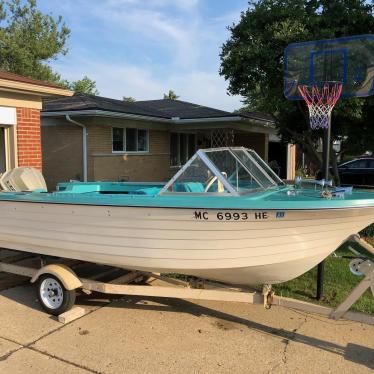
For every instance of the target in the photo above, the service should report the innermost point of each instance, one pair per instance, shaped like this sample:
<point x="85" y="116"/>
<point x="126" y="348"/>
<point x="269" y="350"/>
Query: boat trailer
<point x="57" y="284"/>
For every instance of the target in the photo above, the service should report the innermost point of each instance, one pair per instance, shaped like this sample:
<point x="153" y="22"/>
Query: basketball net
<point x="320" y="100"/>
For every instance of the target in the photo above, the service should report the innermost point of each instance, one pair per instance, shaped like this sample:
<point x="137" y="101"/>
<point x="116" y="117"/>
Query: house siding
<point x="145" y="168"/>
<point x="62" y="154"/>
<point x="62" y="150"/>
<point x="29" y="138"/>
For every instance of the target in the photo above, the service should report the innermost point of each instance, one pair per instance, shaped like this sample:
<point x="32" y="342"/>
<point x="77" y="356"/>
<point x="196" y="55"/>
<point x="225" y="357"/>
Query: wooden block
<point x="71" y="315"/>
<point x="356" y="238"/>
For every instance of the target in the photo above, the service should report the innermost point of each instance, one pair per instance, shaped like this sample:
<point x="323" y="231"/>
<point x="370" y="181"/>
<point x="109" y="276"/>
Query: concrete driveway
<point x="138" y="335"/>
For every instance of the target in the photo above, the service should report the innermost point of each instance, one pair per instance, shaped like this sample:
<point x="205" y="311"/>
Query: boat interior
<point x="226" y="171"/>
<point x="234" y="171"/>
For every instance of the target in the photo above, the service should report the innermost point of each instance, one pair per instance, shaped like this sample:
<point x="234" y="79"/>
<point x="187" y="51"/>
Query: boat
<point x="224" y="216"/>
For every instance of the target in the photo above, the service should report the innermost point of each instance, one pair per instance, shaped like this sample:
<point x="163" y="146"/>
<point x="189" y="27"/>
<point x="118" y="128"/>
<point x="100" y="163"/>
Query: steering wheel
<point x="212" y="180"/>
<point x="210" y="183"/>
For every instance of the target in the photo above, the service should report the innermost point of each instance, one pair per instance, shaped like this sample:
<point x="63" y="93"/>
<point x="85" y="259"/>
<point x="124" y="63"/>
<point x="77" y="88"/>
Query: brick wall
<point x="62" y="153"/>
<point x="103" y="165"/>
<point x="28" y="138"/>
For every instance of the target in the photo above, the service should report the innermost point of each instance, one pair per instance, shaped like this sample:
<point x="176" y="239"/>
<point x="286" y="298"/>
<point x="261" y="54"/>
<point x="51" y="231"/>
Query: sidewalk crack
<point x="64" y="361"/>
<point x="7" y="355"/>
<point x="286" y="341"/>
<point x="291" y="338"/>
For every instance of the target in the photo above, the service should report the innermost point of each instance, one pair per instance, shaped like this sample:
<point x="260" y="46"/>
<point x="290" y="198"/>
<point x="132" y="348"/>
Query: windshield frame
<point x="203" y="154"/>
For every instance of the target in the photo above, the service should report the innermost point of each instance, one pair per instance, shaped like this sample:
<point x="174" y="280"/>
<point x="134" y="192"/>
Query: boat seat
<point x="196" y="187"/>
<point x="146" y="191"/>
<point x="80" y="188"/>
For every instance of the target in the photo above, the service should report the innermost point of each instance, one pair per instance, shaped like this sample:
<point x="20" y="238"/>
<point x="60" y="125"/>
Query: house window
<point x="8" y="148"/>
<point x="129" y="140"/>
<point x="182" y="148"/>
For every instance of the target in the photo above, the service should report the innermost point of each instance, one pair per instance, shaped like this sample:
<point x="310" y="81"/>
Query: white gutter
<point x="84" y="144"/>
<point x="104" y="113"/>
<point x="174" y="120"/>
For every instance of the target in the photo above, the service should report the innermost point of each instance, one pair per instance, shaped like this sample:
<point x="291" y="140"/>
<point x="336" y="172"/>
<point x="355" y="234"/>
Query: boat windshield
<point x="225" y="170"/>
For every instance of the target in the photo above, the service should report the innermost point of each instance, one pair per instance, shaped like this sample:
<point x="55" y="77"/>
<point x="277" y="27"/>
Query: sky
<point x="143" y="48"/>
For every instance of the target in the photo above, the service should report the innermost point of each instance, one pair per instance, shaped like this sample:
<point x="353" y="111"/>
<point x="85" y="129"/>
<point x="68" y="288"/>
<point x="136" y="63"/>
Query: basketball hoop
<point x="320" y="100"/>
<point x="330" y="62"/>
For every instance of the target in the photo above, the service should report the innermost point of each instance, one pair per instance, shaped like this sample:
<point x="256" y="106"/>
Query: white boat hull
<point x="258" y="247"/>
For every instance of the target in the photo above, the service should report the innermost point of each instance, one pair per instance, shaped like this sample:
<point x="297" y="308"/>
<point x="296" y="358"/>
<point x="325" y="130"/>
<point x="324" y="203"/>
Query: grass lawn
<point x="339" y="282"/>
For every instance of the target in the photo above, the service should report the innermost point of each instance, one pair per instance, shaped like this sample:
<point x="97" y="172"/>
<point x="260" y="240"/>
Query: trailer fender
<point x="66" y="275"/>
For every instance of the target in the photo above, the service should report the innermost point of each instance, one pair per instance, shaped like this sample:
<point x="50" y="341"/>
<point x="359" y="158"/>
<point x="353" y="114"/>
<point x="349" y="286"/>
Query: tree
<point x="171" y="95"/>
<point x="128" y="99"/>
<point x="252" y="62"/>
<point x="84" y="85"/>
<point x="29" y="39"/>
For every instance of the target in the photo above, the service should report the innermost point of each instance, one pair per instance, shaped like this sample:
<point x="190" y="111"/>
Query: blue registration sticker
<point x="280" y="215"/>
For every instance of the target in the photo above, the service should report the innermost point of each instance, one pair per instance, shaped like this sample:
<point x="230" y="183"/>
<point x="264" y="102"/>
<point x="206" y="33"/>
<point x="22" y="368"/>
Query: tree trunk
<point x="309" y="148"/>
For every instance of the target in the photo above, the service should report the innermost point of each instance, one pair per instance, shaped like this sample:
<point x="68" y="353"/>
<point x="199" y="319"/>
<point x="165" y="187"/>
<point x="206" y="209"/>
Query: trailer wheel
<point x="53" y="296"/>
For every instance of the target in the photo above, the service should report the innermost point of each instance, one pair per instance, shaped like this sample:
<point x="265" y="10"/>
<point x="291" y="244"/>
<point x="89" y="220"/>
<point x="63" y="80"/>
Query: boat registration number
<point x="233" y="216"/>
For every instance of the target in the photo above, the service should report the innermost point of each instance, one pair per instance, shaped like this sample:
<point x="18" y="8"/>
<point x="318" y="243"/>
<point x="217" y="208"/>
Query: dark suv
<point x="358" y="172"/>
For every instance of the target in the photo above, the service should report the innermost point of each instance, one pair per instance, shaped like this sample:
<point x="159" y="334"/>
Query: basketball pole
<point x="326" y="159"/>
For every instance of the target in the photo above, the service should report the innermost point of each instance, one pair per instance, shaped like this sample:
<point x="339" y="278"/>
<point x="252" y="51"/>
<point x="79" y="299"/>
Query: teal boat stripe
<point x="251" y="205"/>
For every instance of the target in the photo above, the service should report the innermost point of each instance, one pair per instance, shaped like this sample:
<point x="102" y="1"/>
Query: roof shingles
<point x="183" y="109"/>
<point x="164" y="108"/>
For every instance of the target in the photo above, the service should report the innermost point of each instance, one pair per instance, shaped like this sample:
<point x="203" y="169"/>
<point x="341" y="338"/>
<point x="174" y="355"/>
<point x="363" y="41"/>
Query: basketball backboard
<point x="349" y="60"/>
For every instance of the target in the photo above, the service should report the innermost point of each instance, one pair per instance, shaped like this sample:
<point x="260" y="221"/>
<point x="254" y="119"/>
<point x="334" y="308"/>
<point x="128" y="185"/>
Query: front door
<point x="2" y="150"/>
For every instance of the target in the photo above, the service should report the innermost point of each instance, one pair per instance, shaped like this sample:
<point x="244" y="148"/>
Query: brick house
<point x="95" y="138"/>
<point x="20" y="105"/>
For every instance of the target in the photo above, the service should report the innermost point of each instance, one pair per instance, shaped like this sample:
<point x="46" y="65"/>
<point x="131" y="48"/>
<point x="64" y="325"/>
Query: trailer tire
<point x="54" y="298"/>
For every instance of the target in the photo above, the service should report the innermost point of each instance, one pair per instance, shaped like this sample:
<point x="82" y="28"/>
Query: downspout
<point x="84" y="144"/>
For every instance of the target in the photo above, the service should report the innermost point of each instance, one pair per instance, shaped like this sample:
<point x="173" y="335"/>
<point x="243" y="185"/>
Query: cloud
<point x="177" y="32"/>
<point x="115" y="81"/>
<point x="205" y="88"/>
<point x="144" y="48"/>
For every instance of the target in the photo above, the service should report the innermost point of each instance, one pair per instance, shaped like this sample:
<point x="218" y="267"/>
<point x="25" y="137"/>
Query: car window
<point x="358" y="164"/>
<point x="371" y="164"/>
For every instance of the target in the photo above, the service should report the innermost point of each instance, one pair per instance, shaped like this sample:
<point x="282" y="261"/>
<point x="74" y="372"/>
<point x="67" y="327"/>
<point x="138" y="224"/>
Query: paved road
<point x="134" y="335"/>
